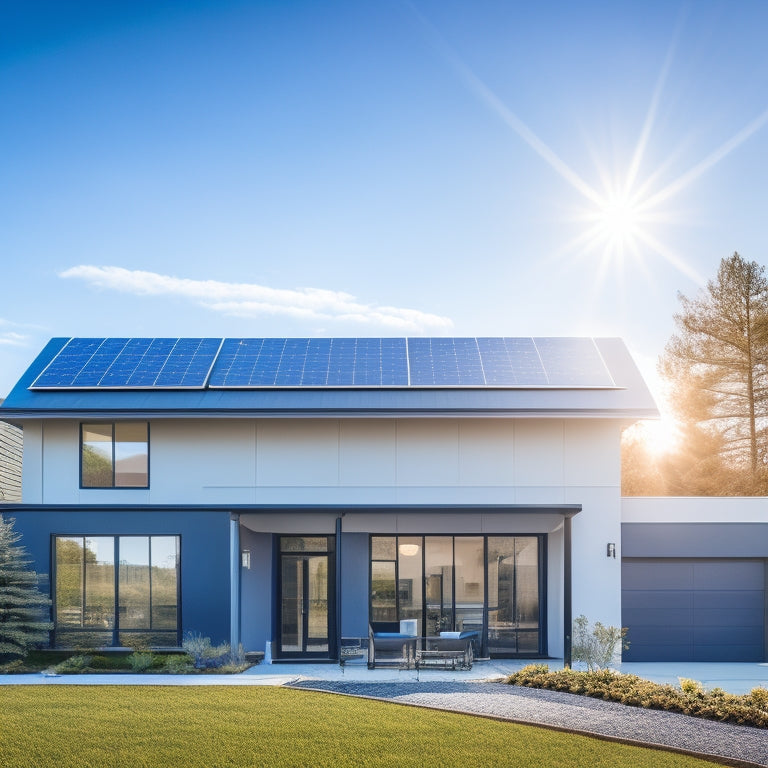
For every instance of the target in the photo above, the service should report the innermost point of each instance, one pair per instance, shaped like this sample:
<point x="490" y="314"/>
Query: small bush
<point x="140" y="661"/>
<point x="75" y="664"/>
<point x="203" y="654"/>
<point x="759" y="698"/>
<point x="751" y="709"/>
<point x="177" y="664"/>
<point x="596" y="646"/>
<point x="691" y="687"/>
<point x="100" y="662"/>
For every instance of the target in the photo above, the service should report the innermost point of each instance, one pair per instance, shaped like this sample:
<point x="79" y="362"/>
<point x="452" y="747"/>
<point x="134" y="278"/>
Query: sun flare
<point x="619" y="219"/>
<point x="617" y="223"/>
<point x="660" y="438"/>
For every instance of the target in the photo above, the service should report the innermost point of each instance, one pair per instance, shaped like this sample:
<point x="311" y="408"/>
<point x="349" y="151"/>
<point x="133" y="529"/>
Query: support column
<point x="567" y="596"/>
<point x="338" y="589"/>
<point x="234" y="581"/>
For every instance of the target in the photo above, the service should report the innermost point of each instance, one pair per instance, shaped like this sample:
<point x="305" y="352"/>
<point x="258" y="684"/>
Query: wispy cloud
<point x="10" y="338"/>
<point x="252" y="300"/>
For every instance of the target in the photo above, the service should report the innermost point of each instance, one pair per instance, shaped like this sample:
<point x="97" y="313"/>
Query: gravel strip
<point x="570" y="712"/>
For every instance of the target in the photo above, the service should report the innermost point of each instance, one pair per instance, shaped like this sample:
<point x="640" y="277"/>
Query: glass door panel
<point x="513" y="595"/>
<point x="527" y="594"/>
<point x="438" y="583"/>
<point x="316" y="603"/>
<point x="409" y="551"/>
<point x="306" y="589"/>
<point x="292" y="604"/>
<point x="469" y="578"/>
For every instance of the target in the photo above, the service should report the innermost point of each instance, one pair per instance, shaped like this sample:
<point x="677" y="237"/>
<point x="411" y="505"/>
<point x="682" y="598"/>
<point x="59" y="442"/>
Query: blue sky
<point x="374" y="168"/>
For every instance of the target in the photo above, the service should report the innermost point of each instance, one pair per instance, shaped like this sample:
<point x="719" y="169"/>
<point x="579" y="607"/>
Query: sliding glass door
<point x="491" y="585"/>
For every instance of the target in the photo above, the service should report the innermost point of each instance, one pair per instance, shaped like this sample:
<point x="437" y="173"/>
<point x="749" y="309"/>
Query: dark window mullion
<point x="116" y="579"/>
<point x="397" y="577"/>
<point x="83" y="571"/>
<point x="114" y="456"/>
<point x="424" y="586"/>
<point x="151" y="627"/>
<point x="453" y="583"/>
<point x="484" y="636"/>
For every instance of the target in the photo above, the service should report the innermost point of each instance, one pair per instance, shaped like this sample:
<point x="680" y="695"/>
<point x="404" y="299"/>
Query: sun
<point x="615" y="223"/>
<point x="618" y="222"/>
<point x="619" y="219"/>
<point x="659" y="437"/>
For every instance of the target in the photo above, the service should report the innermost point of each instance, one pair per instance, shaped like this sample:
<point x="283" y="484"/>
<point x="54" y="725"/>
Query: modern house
<point x="290" y="491"/>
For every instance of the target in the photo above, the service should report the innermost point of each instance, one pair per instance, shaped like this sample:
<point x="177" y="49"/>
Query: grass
<point x="218" y="726"/>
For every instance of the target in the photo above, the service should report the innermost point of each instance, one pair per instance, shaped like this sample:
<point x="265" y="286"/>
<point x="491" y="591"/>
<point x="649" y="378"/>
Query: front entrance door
<point x="306" y="597"/>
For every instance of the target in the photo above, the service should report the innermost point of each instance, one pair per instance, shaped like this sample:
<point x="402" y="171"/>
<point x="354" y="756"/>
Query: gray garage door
<point x="694" y="610"/>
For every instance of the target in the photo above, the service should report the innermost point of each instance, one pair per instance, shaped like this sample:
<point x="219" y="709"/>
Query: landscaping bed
<point x="689" y="699"/>
<point x="197" y="656"/>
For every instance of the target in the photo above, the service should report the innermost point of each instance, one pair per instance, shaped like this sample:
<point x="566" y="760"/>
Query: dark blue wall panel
<point x="205" y="595"/>
<point x="694" y="539"/>
<point x="354" y="570"/>
<point x="694" y="609"/>
<point x="256" y="591"/>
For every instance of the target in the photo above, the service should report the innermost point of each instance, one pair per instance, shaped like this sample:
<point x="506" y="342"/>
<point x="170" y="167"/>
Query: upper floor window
<point x="114" y="455"/>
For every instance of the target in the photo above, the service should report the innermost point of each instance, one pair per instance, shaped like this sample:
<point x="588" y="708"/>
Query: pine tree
<point x="717" y="364"/>
<point x="23" y="607"/>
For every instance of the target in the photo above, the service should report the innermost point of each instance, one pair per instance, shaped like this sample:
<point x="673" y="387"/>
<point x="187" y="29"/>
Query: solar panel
<point x="504" y="362"/>
<point x="252" y="363"/>
<point x="574" y="362"/>
<point x="130" y="364"/>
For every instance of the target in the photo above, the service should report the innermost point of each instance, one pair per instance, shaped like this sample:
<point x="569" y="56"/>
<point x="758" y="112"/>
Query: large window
<point x="114" y="455"/>
<point x="492" y="585"/>
<point x="116" y="591"/>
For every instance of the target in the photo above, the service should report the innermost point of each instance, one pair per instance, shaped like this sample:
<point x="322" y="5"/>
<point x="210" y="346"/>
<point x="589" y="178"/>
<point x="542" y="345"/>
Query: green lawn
<point x="122" y="726"/>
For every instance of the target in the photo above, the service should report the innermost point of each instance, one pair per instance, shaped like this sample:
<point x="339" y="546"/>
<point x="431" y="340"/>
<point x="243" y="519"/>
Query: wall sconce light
<point x="610" y="550"/>
<point x="245" y="559"/>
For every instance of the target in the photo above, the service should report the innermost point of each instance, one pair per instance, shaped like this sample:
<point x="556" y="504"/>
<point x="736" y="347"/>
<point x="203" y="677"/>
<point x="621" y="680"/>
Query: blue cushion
<point x="391" y="634"/>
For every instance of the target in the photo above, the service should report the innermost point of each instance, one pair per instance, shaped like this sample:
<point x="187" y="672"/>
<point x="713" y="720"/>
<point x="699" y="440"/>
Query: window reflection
<point x="131" y="456"/>
<point x="115" y="455"/>
<point x="141" y="607"/>
<point x="488" y="585"/>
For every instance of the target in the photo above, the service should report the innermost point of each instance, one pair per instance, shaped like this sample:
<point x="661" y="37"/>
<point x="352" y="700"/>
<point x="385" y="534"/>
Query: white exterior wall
<point x="382" y="461"/>
<point x="694" y="509"/>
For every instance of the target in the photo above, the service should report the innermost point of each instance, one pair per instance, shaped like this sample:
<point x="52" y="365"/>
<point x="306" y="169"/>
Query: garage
<point x="686" y="609"/>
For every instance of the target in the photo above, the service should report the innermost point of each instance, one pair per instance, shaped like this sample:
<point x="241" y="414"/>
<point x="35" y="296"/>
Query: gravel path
<point x="568" y="711"/>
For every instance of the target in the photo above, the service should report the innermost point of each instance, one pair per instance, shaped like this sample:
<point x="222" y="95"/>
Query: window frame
<point x="113" y="486"/>
<point x="115" y="630"/>
<point x="541" y="545"/>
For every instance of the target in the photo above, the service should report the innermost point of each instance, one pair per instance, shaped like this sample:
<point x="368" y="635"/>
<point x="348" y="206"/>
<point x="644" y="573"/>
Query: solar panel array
<point x="326" y="363"/>
<point x="130" y="364"/>
<point x="311" y="363"/>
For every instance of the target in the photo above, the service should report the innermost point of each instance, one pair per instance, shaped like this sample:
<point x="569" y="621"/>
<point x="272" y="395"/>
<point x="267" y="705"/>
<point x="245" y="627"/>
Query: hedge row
<point x="690" y="699"/>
